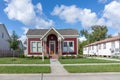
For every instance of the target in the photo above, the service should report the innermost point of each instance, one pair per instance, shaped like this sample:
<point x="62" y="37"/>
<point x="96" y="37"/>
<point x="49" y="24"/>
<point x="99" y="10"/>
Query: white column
<point x="43" y="51"/>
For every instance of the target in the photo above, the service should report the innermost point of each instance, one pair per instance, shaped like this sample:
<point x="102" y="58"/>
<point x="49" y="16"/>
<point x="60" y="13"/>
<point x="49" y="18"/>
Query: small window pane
<point x="34" y="49"/>
<point x="39" y="44"/>
<point x="65" y="44"/>
<point x="34" y="44"/>
<point x="39" y="49"/>
<point x="70" y="44"/>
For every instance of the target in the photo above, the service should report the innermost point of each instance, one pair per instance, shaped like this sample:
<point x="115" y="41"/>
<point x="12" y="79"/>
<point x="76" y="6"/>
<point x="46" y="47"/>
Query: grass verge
<point x="10" y="60"/>
<point x="25" y="69"/>
<point x="93" y="68"/>
<point x="84" y="60"/>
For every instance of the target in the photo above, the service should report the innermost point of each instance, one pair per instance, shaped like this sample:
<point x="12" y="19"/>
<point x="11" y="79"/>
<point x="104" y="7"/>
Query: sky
<point x="21" y="15"/>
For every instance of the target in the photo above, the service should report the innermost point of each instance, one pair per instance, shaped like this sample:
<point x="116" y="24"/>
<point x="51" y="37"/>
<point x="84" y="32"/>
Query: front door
<point x="52" y="47"/>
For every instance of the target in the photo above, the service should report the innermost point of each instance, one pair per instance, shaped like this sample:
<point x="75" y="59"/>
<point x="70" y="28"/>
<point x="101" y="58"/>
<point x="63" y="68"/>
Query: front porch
<point x="52" y="44"/>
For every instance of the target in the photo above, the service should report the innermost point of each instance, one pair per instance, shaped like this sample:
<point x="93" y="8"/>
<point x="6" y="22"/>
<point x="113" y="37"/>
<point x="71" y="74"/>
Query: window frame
<point x="31" y="46"/>
<point x="68" y="46"/>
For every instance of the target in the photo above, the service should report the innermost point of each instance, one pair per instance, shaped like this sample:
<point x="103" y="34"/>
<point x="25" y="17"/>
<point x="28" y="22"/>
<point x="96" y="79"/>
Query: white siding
<point x="102" y="51"/>
<point x="4" y="45"/>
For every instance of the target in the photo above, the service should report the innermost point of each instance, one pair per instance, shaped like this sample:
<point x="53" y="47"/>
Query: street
<point x="76" y="76"/>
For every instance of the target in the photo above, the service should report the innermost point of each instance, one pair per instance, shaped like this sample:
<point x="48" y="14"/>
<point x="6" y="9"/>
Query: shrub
<point x="21" y="55"/>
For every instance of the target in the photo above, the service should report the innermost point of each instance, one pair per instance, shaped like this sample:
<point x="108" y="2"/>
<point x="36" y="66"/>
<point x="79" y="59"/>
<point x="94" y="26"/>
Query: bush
<point x="68" y="57"/>
<point x="21" y="55"/>
<point x="80" y="56"/>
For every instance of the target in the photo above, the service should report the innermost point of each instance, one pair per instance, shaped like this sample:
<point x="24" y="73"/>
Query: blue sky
<point x="20" y="15"/>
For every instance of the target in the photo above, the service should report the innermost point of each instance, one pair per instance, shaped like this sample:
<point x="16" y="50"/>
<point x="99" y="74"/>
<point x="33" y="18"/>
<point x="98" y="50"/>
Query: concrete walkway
<point x="111" y="59"/>
<point x="56" y="67"/>
<point x="24" y="64"/>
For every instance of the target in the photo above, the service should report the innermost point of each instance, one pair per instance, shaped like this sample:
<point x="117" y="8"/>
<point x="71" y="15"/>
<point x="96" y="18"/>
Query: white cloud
<point x="73" y="14"/>
<point x="112" y="14"/>
<point x="82" y="39"/>
<point x="28" y="14"/>
<point x="25" y="12"/>
<point x="23" y="36"/>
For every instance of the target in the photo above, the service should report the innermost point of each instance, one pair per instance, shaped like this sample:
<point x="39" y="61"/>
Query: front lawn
<point x="10" y="60"/>
<point x="84" y="60"/>
<point x="93" y="68"/>
<point x="25" y="69"/>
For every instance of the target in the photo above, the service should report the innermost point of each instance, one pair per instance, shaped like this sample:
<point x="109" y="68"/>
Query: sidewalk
<point x="111" y="59"/>
<point x="24" y="64"/>
<point x="56" y="67"/>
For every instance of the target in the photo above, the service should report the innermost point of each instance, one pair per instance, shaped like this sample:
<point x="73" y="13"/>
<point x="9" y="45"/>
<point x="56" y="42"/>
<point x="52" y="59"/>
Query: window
<point x="36" y="46"/>
<point x="112" y="45"/>
<point x="104" y="46"/>
<point x="99" y="46"/>
<point x="92" y="47"/>
<point x="2" y="35"/>
<point x="68" y="46"/>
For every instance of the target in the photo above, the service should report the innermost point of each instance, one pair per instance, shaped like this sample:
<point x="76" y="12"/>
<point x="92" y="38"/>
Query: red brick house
<point x="50" y="42"/>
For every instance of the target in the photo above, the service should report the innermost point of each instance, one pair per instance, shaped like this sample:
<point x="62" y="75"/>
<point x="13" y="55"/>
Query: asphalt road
<point x="79" y="76"/>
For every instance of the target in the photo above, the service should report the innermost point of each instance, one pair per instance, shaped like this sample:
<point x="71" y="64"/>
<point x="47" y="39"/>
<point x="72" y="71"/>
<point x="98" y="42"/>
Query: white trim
<point x="50" y="46"/>
<point x="70" y="35"/>
<point x="27" y="47"/>
<point x="77" y="46"/>
<point x="49" y="31"/>
<point x="31" y="44"/>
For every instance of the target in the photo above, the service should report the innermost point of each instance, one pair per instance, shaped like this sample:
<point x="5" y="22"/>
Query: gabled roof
<point x="2" y="25"/>
<point x="50" y="30"/>
<point x="61" y="31"/>
<point x="105" y="40"/>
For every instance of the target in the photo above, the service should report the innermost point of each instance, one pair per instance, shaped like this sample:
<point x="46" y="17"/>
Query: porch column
<point x="59" y="40"/>
<point x="45" y="46"/>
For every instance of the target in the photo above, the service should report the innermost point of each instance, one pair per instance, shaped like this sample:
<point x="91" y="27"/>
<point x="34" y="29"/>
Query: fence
<point x="9" y="53"/>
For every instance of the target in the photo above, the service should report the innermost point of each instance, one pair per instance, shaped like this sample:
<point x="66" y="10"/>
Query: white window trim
<point x="31" y="46"/>
<point x="67" y="44"/>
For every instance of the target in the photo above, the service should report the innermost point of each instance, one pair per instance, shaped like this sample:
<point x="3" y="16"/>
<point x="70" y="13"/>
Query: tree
<point x="13" y="41"/>
<point x="97" y="33"/>
<point x="80" y="47"/>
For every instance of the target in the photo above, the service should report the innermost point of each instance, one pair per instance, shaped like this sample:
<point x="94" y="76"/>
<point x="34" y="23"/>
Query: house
<point x="4" y="36"/>
<point x="50" y="42"/>
<point x="106" y="47"/>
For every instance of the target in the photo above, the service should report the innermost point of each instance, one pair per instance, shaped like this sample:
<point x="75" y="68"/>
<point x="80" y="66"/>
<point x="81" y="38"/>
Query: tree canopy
<point x="97" y="33"/>
<point x="13" y="41"/>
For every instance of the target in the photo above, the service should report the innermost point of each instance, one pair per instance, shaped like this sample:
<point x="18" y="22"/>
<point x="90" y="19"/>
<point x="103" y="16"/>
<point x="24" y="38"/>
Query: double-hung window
<point x="68" y="46"/>
<point x="36" y="46"/>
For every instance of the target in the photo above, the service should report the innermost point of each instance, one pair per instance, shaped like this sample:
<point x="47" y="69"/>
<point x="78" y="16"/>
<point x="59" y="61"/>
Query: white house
<point x="4" y="36"/>
<point x="106" y="47"/>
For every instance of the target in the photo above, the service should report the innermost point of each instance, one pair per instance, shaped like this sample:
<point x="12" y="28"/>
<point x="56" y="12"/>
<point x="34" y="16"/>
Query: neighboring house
<point x="106" y="47"/>
<point x="51" y="42"/>
<point x="4" y="36"/>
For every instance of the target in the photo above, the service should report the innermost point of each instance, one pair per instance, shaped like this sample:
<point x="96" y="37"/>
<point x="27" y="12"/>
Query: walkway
<point x="111" y="59"/>
<point x="56" y="67"/>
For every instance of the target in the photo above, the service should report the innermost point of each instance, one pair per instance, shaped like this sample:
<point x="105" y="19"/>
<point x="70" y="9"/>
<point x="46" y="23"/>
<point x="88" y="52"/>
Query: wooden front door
<point x="52" y="47"/>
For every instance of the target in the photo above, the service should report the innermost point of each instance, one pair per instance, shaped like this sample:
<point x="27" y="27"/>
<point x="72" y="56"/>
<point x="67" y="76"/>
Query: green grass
<point x="84" y="60"/>
<point x="93" y="68"/>
<point x="25" y="69"/>
<point x="10" y="60"/>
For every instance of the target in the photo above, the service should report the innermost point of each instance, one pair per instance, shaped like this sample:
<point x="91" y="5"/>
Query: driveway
<point x="78" y="76"/>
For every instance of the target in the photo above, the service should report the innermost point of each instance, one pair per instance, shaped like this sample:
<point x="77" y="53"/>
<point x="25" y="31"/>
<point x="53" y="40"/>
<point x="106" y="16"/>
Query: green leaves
<point x="97" y="33"/>
<point x="14" y="42"/>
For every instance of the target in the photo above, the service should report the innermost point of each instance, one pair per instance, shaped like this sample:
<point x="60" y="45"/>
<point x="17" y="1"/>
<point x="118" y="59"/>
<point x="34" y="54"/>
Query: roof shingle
<point x="61" y="31"/>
